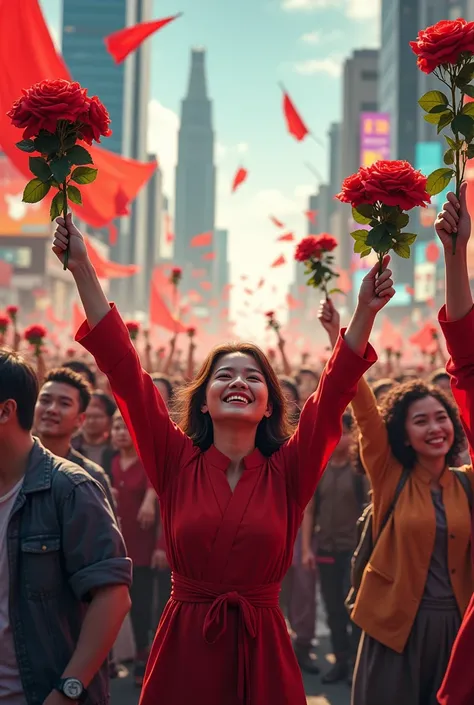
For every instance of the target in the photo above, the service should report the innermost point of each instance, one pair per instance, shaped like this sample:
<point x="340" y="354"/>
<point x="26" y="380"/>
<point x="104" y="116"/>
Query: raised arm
<point x="319" y="430"/>
<point x="160" y="444"/>
<point x="457" y="317"/>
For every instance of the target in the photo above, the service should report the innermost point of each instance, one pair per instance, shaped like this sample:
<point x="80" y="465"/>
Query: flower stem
<point x="66" y="254"/>
<point x="457" y="164"/>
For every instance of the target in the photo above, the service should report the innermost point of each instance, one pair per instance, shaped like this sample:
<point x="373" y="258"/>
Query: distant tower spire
<point x="197" y="89"/>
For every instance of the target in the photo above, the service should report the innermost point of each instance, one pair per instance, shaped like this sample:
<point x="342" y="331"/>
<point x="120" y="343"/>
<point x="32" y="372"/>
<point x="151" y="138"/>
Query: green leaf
<point x="407" y="238"/>
<point x="402" y="249"/>
<point x="74" y="195"/>
<point x="449" y="157"/>
<point x="432" y="99"/>
<point x="467" y="109"/>
<point x="445" y="119"/>
<point x="360" y="235"/>
<point x="463" y="124"/>
<point x="432" y="118"/>
<point x="468" y="90"/>
<point x="359" y="246"/>
<point x="359" y="217"/>
<point x="47" y="143"/>
<point x="84" y="175"/>
<point x="366" y="252"/>
<point x="438" y="109"/>
<point x="40" y="168"/>
<point x="451" y="142"/>
<point x="465" y="75"/>
<point x="70" y="141"/>
<point x="26" y="146"/>
<point x="377" y="234"/>
<point x="35" y="191"/>
<point x="403" y="220"/>
<point x="336" y="291"/>
<point x="470" y="151"/>
<point x="60" y="168"/>
<point x="57" y="205"/>
<point x="79" y="156"/>
<point x="438" y="180"/>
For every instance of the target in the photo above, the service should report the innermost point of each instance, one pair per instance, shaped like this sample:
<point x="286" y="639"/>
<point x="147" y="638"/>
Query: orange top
<point x="394" y="579"/>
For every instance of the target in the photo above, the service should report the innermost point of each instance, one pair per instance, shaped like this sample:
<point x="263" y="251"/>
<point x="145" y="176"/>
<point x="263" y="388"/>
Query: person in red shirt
<point x="457" y="323"/>
<point x="232" y="486"/>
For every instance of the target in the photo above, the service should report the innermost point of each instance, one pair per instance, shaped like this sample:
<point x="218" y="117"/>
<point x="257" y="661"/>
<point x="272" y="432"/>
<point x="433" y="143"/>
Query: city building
<point x="156" y="225"/>
<point x="220" y="278"/>
<point x="195" y="174"/>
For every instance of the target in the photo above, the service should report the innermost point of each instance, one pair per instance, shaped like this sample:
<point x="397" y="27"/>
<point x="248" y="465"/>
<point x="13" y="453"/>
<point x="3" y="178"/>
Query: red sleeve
<point x="459" y="337"/>
<point x="458" y="684"/>
<point x="306" y="454"/>
<point x="161" y="445"/>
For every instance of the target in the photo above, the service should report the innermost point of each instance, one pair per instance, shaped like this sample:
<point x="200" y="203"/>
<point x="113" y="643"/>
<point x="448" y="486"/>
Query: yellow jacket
<point x="394" y="579"/>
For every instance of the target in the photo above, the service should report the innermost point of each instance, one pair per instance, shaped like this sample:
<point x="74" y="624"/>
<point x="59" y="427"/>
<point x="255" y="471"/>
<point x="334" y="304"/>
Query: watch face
<point x="72" y="688"/>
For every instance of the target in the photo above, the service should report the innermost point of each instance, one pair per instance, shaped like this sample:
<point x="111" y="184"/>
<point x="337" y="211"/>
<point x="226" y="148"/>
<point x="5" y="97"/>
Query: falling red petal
<point x="113" y="234"/>
<point x="209" y="256"/>
<point x="277" y="222"/>
<point x="311" y="215"/>
<point x="279" y="261"/>
<point x="120" y="44"/>
<point x="239" y="178"/>
<point x="202" y="240"/>
<point x="294" y="122"/>
<point x="289" y="237"/>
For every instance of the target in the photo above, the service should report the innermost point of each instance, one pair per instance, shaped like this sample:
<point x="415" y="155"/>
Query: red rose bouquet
<point x="35" y="336"/>
<point x="272" y="321"/>
<point x="191" y="332"/>
<point x="54" y="116"/>
<point x="316" y="252"/>
<point x="446" y="50"/>
<point x="379" y="195"/>
<point x="176" y="276"/>
<point x="133" y="328"/>
<point x="4" y="323"/>
<point x="12" y="313"/>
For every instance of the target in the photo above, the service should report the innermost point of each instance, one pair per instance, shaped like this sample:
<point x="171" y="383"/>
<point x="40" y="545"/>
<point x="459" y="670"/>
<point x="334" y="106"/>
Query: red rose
<point x="133" y="328"/>
<point x="4" y="323"/>
<point x="395" y="183"/>
<point x="35" y="334"/>
<point x="95" y="121"/>
<point x="270" y="314"/>
<point x="326" y="243"/>
<point x="307" y="248"/>
<point x="12" y="312"/>
<point x="176" y="271"/>
<point x="41" y="106"/>
<point x="352" y="190"/>
<point x="191" y="332"/>
<point x="443" y="43"/>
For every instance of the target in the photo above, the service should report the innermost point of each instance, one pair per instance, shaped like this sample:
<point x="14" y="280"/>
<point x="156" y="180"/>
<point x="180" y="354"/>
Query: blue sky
<point x="251" y="46"/>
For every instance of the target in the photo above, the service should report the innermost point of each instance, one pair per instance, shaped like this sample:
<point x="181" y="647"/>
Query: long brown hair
<point x="272" y="432"/>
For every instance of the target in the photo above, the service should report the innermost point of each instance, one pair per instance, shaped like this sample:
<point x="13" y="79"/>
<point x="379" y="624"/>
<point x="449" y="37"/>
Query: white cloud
<point x="311" y="37"/>
<point x="309" y="5"/>
<point x="354" y="9"/>
<point x="163" y="127"/>
<point x="304" y="191"/>
<point x="363" y="9"/>
<point x="242" y="148"/>
<point x="330" y="65"/>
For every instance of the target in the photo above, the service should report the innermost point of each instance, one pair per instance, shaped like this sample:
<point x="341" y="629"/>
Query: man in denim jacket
<point x="64" y="574"/>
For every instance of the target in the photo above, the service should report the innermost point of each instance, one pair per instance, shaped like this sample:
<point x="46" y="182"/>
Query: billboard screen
<point x="425" y="273"/>
<point x="374" y="137"/>
<point x="16" y="217"/>
<point x="428" y="157"/>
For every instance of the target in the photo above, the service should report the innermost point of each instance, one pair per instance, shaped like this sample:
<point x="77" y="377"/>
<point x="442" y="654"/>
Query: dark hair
<point x="289" y="383"/>
<point x="348" y="421"/>
<point x="307" y="371"/>
<point x="18" y="381"/>
<point x="63" y="375"/>
<point x="82" y="369"/>
<point x="110" y="407"/>
<point x="395" y="411"/>
<point x="272" y="432"/>
<point x="438" y="375"/>
<point x="164" y="379"/>
<point x="382" y="386"/>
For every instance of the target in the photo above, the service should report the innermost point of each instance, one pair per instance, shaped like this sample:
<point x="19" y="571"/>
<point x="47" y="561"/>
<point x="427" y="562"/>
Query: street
<point x="124" y="692"/>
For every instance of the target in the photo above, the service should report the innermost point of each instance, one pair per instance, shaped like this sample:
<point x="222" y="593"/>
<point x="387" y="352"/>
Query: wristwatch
<point x="72" y="688"/>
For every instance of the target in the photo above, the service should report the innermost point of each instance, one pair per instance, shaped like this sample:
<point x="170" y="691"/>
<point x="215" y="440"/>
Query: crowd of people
<point x="209" y="504"/>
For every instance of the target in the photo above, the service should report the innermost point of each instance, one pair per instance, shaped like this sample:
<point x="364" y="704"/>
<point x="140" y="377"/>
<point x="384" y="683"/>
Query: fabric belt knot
<point x="246" y="600"/>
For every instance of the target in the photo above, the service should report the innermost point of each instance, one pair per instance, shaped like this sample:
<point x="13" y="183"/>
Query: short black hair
<point x="382" y="386"/>
<point x="83" y="369"/>
<point x="64" y="375"/>
<point x="18" y="381"/>
<point x="395" y="410"/>
<point x="290" y="383"/>
<point x="110" y="407"/>
<point x="164" y="379"/>
<point x="348" y="421"/>
<point x="438" y="375"/>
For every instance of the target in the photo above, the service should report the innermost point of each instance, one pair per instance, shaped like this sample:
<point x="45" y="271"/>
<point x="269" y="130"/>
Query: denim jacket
<point x="63" y="542"/>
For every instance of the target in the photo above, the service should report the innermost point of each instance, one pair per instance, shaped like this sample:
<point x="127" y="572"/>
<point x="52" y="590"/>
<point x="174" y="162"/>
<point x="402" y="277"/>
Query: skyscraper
<point x="221" y="275"/>
<point x="195" y="172"/>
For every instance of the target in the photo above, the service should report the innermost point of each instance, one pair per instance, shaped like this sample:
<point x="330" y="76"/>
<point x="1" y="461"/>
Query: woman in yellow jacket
<point x="418" y="581"/>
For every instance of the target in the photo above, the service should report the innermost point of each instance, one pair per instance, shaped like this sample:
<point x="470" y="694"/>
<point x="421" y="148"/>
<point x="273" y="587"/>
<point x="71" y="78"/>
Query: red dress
<point x="222" y="639"/>
<point x="458" y="684"/>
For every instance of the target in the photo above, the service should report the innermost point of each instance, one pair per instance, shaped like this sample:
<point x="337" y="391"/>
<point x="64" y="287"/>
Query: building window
<point x="368" y="75"/>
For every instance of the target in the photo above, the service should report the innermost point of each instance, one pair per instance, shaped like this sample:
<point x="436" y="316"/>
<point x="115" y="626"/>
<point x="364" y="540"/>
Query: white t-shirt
<point x="11" y="691"/>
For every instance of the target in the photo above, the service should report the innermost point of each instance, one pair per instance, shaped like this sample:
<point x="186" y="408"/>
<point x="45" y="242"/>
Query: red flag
<point x="311" y="215"/>
<point x="209" y="256"/>
<point x="279" y="261"/>
<point x="202" y="240"/>
<point x="292" y="302"/>
<point x="294" y="122"/>
<point x="120" y="44"/>
<point x="113" y="234"/>
<point x="289" y="237"/>
<point x="106" y="269"/>
<point x="78" y="316"/>
<point x="239" y="178"/>
<point x="160" y="315"/>
<point x="277" y="222"/>
<point x="425" y="338"/>
<point x="52" y="318"/>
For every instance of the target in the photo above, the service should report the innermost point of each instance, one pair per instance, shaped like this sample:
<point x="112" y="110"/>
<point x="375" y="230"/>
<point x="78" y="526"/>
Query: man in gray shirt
<point x="64" y="574"/>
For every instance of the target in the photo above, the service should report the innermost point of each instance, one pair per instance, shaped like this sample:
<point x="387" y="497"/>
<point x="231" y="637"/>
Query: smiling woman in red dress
<point x="232" y="488"/>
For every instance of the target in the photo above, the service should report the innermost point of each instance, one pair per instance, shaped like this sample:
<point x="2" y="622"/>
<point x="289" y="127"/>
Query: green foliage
<point x="432" y="99"/>
<point x="47" y="143"/>
<point x="74" y="195"/>
<point x="468" y="90"/>
<point x="35" y="191"/>
<point x="363" y="214"/>
<point x="57" y="205"/>
<point x="465" y="76"/>
<point x="84" y="175"/>
<point x="40" y="168"/>
<point x="78" y="155"/>
<point x="438" y="180"/>
<point x="449" y="157"/>
<point x="61" y="169"/>
<point x="26" y="146"/>
<point x="464" y="124"/>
